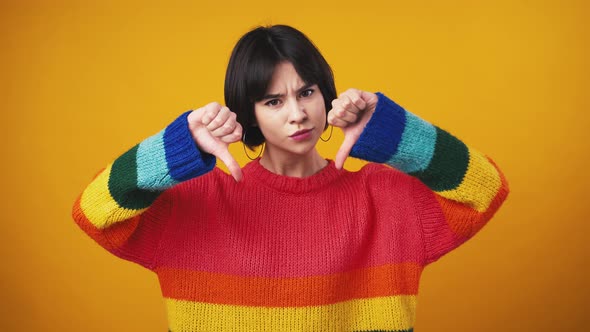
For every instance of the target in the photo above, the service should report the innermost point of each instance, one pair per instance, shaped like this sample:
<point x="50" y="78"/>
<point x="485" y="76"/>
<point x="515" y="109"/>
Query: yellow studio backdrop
<point x="83" y="81"/>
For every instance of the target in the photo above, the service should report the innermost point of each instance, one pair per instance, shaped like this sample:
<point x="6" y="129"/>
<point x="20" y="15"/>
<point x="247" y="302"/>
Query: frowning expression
<point x="292" y="114"/>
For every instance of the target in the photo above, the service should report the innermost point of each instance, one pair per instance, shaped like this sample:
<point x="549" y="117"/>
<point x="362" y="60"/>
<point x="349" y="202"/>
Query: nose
<point x="297" y="113"/>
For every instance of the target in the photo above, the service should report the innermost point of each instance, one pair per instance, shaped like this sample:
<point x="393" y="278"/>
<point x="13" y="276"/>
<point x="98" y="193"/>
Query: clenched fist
<point x="214" y="127"/>
<point x="351" y="111"/>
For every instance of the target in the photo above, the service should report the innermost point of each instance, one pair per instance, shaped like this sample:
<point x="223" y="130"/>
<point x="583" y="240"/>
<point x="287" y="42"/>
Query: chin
<point x="302" y="150"/>
<point x="306" y="150"/>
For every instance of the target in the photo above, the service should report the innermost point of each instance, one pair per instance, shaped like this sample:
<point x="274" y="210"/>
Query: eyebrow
<point x="277" y="95"/>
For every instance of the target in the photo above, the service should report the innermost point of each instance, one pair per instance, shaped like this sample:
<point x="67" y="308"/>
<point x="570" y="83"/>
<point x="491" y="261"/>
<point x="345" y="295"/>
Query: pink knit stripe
<point x="386" y="280"/>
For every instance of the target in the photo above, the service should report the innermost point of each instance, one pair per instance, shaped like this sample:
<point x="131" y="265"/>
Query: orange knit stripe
<point x="385" y="280"/>
<point x="465" y="221"/>
<point x="110" y="238"/>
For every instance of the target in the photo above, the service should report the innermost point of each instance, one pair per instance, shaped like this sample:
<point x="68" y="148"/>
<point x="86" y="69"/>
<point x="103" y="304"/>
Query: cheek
<point x="320" y="104"/>
<point x="320" y="109"/>
<point x="264" y="119"/>
<point x="269" y="123"/>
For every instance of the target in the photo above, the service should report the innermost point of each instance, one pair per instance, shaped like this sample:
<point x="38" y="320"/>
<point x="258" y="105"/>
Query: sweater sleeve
<point x="459" y="188"/>
<point x="125" y="207"/>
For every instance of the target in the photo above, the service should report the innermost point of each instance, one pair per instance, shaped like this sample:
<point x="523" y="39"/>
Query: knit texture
<point x="336" y="251"/>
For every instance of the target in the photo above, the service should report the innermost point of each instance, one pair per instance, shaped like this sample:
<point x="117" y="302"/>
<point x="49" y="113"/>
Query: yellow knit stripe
<point x="99" y="206"/>
<point x="382" y="313"/>
<point x="480" y="184"/>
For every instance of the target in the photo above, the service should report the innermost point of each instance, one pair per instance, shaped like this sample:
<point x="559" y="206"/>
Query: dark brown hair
<point x="252" y="64"/>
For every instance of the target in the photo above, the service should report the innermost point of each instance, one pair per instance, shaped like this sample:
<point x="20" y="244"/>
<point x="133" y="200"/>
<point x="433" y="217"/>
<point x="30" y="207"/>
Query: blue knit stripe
<point x="185" y="160"/>
<point x="416" y="148"/>
<point x="382" y="134"/>
<point x="152" y="167"/>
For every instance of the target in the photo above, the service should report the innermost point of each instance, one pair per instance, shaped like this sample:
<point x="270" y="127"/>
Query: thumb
<point x="344" y="150"/>
<point x="231" y="163"/>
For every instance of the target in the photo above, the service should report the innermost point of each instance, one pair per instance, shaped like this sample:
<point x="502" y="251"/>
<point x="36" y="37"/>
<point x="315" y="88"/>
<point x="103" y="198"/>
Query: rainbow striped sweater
<point x="336" y="251"/>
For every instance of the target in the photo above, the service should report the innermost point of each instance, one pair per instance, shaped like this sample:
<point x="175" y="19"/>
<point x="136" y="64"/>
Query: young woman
<point x="291" y="242"/>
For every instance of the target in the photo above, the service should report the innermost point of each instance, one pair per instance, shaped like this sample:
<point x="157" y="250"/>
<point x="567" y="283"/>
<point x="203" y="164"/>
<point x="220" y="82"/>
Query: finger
<point x="344" y="151"/>
<point x="345" y="109"/>
<point x="209" y="112"/>
<point x="194" y="119"/>
<point x="227" y="128"/>
<point x="220" y="118"/>
<point x="233" y="137"/>
<point x="231" y="163"/>
<point x="357" y="99"/>
<point x="344" y="115"/>
<point x="336" y="121"/>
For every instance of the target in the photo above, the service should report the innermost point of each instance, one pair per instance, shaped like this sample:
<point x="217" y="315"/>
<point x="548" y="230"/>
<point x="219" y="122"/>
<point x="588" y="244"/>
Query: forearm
<point x="466" y="182"/>
<point x="126" y="188"/>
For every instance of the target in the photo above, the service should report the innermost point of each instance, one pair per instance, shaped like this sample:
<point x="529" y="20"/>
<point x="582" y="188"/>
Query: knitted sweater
<point x="336" y="251"/>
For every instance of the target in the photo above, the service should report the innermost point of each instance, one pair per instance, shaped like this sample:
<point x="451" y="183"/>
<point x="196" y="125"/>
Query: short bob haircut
<point x="252" y="64"/>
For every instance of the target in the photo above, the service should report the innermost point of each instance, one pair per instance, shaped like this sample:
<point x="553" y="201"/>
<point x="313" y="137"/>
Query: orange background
<point x="81" y="82"/>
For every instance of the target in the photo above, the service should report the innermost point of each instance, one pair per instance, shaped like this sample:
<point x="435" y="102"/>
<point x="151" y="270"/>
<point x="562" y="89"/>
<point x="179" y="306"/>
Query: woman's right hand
<point x="214" y="127"/>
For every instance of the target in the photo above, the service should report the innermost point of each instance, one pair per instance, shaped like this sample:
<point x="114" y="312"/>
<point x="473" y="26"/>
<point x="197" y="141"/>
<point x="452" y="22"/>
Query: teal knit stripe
<point x="161" y="161"/>
<point x="152" y="168"/>
<point x="416" y="148"/>
<point x="449" y="163"/>
<point x="123" y="183"/>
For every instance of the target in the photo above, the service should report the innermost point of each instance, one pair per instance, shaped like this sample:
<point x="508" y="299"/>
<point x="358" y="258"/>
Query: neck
<point x="293" y="166"/>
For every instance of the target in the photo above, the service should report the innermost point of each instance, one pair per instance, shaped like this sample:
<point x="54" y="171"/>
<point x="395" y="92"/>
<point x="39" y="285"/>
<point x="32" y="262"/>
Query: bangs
<point x="261" y="67"/>
<point x="258" y="73"/>
<point x="252" y="65"/>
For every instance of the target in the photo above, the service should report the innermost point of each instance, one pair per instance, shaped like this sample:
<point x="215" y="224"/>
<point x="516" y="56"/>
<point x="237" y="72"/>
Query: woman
<point x="292" y="242"/>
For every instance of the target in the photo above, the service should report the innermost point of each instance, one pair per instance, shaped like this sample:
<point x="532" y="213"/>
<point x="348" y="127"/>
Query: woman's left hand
<point x="351" y="111"/>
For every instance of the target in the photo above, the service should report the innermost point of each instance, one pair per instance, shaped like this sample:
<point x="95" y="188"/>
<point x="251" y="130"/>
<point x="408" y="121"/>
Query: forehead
<point x="285" y="77"/>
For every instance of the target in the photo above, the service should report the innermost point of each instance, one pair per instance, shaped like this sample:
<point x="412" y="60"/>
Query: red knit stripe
<point x="250" y="229"/>
<point x="465" y="221"/>
<point x="386" y="280"/>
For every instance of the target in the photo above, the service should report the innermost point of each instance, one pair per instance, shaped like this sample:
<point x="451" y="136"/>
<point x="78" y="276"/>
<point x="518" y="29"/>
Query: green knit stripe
<point x="448" y="165"/>
<point x="123" y="183"/>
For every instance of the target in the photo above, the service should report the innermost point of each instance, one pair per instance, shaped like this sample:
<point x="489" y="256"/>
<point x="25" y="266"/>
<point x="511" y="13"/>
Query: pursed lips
<point x="301" y="132"/>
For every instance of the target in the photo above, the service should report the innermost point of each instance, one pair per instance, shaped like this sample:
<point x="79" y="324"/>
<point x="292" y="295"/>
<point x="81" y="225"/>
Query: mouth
<point x="301" y="134"/>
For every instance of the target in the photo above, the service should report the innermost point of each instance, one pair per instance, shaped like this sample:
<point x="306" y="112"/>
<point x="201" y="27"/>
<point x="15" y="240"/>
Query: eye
<point x="272" y="102"/>
<point x="307" y="93"/>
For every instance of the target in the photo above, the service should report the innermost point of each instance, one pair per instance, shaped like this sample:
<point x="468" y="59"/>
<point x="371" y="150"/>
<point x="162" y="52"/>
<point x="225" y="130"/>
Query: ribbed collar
<point x="255" y="172"/>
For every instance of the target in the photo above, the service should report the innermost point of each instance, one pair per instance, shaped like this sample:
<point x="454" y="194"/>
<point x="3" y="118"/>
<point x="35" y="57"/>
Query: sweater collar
<point x="255" y="172"/>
